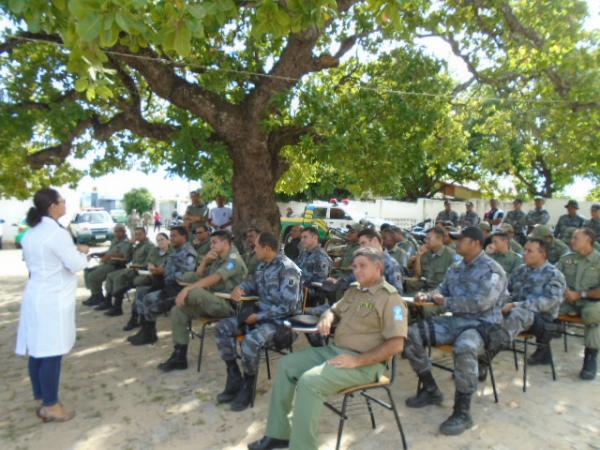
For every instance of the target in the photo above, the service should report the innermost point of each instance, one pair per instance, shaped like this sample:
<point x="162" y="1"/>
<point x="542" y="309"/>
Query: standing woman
<point x="47" y="321"/>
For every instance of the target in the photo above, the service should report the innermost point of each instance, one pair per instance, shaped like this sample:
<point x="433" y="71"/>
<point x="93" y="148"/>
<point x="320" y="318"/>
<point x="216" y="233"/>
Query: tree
<point x="594" y="195"/>
<point x="206" y="87"/>
<point x="139" y="199"/>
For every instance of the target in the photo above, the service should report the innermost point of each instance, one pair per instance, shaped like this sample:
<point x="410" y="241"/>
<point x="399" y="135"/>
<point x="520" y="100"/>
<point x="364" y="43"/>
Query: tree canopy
<point x="140" y="199"/>
<point x="246" y="91"/>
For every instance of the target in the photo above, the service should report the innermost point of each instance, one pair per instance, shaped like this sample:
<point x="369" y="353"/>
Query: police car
<point x="92" y="226"/>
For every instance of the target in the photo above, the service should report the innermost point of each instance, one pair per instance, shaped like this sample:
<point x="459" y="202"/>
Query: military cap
<point x="469" y="204"/>
<point x="484" y="226"/>
<point x="596" y="207"/>
<point x="518" y="201"/>
<point x="507" y="228"/>
<point x="540" y="232"/>
<point x="474" y="233"/>
<point x="572" y="203"/>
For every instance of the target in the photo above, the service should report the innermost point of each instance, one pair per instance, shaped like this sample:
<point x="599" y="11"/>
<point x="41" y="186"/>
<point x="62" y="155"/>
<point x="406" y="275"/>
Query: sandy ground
<point x="124" y="402"/>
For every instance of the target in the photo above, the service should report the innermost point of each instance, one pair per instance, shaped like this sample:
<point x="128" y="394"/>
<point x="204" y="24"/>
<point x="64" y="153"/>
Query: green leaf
<point x="81" y="84"/>
<point x="89" y="27"/>
<point x="182" y="43"/>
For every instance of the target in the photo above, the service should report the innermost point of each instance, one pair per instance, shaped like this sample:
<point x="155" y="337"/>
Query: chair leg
<point x="395" y="411"/>
<point x="202" y="335"/>
<point x="525" y="364"/>
<point x="514" y="349"/>
<point x="552" y="362"/>
<point x="373" y="424"/>
<point x="492" y="378"/>
<point x="564" y="330"/>
<point x="268" y="363"/>
<point x="341" y="425"/>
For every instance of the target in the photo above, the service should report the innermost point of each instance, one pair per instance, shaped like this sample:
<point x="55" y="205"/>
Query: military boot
<point x="233" y="383"/>
<point x="243" y="399"/>
<point x="94" y="300"/>
<point x="428" y="394"/>
<point x="177" y="360"/>
<point x="133" y="321"/>
<point x="541" y="356"/>
<point x="117" y="307"/>
<point x="140" y="331"/>
<point x="147" y="335"/>
<point x="460" y="420"/>
<point x="105" y="304"/>
<point x="588" y="372"/>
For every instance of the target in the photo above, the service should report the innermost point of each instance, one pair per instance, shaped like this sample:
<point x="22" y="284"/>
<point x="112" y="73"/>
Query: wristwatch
<point x="583" y="294"/>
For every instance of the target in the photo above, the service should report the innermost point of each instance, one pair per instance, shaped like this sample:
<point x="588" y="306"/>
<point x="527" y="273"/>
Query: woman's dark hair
<point x="42" y="200"/>
<point x="163" y="235"/>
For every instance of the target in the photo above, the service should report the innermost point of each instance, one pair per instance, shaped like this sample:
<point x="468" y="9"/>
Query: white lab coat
<point x="47" y="321"/>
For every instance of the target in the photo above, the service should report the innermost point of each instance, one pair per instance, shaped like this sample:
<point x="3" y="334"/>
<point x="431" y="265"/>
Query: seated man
<point x="474" y="291"/>
<point x="502" y="253"/>
<point x="277" y="284"/>
<point x="152" y="282"/>
<point x="181" y="259"/>
<point x="249" y="255"/>
<point x="388" y="237"/>
<point x="557" y="247"/>
<point x="120" y="281"/>
<point x="582" y="273"/>
<point x="221" y="270"/>
<point x="370" y="328"/>
<point x="345" y="261"/>
<point x="537" y="289"/>
<point x="431" y="262"/>
<point x="117" y="255"/>
<point x="201" y="241"/>
<point x="513" y="244"/>
<point x="314" y="261"/>
<point x="405" y="241"/>
<point x="292" y="244"/>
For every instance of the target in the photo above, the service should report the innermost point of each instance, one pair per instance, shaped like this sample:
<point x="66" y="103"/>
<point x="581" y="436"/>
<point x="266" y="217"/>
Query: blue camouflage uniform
<point x="535" y="291"/>
<point x="278" y="286"/>
<point x="179" y="261"/>
<point x="474" y="293"/>
<point x="315" y="265"/>
<point x="392" y="272"/>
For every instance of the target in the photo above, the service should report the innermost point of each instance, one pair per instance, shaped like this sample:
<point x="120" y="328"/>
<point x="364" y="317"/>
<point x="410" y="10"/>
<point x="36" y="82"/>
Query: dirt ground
<point x="124" y="402"/>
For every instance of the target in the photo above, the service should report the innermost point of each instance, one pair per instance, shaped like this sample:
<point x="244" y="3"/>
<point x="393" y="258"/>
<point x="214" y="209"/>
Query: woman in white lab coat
<point x="47" y="321"/>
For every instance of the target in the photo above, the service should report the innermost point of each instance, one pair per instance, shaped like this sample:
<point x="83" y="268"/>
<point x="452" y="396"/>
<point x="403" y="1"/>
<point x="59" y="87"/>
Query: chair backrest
<point x="304" y="299"/>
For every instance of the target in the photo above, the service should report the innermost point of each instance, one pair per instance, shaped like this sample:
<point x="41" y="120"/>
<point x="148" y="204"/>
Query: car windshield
<point x="93" y="218"/>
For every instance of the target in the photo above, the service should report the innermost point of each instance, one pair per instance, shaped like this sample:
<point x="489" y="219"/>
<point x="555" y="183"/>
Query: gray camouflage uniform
<point x="179" y="261"/>
<point x="469" y="219"/>
<point x="537" y="216"/>
<point x="278" y="286"/>
<point x="447" y="216"/>
<point x="535" y="291"/>
<point x="566" y="221"/>
<point x="594" y="224"/>
<point x="518" y="220"/>
<point x="474" y="293"/>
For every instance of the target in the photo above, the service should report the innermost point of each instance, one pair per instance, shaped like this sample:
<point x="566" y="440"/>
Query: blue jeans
<point x="45" y="377"/>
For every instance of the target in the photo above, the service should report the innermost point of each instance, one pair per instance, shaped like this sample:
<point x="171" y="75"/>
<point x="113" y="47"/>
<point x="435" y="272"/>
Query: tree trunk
<point x="255" y="174"/>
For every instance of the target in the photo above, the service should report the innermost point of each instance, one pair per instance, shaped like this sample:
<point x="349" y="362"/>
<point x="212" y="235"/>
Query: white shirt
<point x="47" y="320"/>
<point x="220" y="216"/>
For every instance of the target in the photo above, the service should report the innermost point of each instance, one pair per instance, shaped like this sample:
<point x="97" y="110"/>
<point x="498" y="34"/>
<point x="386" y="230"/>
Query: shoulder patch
<point x="230" y="264"/>
<point x="398" y="313"/>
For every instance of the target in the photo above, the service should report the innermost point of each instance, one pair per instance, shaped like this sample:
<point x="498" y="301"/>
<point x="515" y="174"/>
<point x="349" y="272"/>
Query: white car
<point x="92" y="226"/>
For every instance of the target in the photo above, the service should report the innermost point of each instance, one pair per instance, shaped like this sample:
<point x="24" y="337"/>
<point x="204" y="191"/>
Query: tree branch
<point x="24" y="36"/>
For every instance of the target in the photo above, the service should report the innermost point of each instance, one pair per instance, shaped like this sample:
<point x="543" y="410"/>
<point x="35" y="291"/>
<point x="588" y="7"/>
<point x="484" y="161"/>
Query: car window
<point x="337" y="213"/>
<point x="95" y="217"/>
<point x="319" y="213"/>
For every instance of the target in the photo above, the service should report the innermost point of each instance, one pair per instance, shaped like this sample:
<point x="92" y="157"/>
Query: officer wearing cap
<point x="514" y="245"/>
<point x="314" y="261"/>
<point x="388" y="237"/>
<point x="474" y="291"/>
<point x="557" y="247"/>
<point x="197" y="211"/>
<point x="571" y="219"/>
<point x="371" y="328"/>
<point x="221" y="270"/>
<point x="405" y="241"/>
<point x="351" y="246"/>
<point x="538" y="215"/>
<point x="518" y="219"/>
<point x="469" y="218"/>
<point x="502" y="254"/>
<point x="447" y="215"/>
<point x="594" y="222"/>
<point x="582" y="273"/>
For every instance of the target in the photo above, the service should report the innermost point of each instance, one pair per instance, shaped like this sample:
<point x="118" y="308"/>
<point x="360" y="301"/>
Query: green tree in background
<point x="139" y="199"/>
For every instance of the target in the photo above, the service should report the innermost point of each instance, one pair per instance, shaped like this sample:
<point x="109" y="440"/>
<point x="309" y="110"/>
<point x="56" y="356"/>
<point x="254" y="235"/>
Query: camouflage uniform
<point x="202" y="301"/>
<point x="594" y="224"/>
<point x="447" y="216"/>
<point x="537" y="217"/>
<point x="582" y="273"/>
<point x="250" y="260"/>
<point x="278" y="286"/>
<point x="124" y="278"/>
<point x="348" y="254"/>
<point x="202" y="249"/>
<point x="518" y="220"/>
<point x="509" y="261"/>
<point x="516" y="247"/>
<point x="474" y="293"/>
<point x="469" y="219"/>
<point x="433" y="268"/>
<point x="557" y="249"/>
<point x="566" y="221"/>
<point x="179" y="261"/>
<point x="399" y="255"/>
<point x="95" y="276"/>
<point x="147" y="283"/>
<point x="535" y="291"/>
<point x="409" y="245"/>
<point x="316" y="266"/>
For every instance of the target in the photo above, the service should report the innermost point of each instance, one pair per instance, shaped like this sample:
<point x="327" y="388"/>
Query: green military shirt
<point x="367" y="317"/>
<point x="409" y="246"/>
<point x="197" y="210"/>
<point x="434" y="265"/>
<point x="348" y="254"/>
<point x="582" y="273"/>
<point x="157" y="258"/>
<point x="141" y="252"/>
<point x="399" y="255"/>
<point x="251" y="261"/>
<point x="232" y="270"/>
<point x="123" y="247"/>
<point x="516" y="247"/>
<point x="202" y="249"/>
<point x="509" y="261"/>
<point x="557" y="249"/>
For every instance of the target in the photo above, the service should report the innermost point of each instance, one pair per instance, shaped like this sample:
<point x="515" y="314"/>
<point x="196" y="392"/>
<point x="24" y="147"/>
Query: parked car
<point x="22" y="228"/>
<point x="92" y="226"/>
<point x="119" y="215"/>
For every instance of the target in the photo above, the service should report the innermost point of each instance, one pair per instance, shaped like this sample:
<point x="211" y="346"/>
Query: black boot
<point x="105" y="304"/>
<point x="243" y="399"/>
<point x="541" y="356"/>
<point x="233" y="383"/>
<point x="460" y="420"/>
<point x="117" y="307"/>
<point x="147" y="335"/>
<point x="94" y="300"/>
<point x="268" y="443"/>
<point x="429" y="394"/>
<point x="588" y="372"/>
<point x="177" y="360"/>
<point x="133" y="322"/>
<point x="482" y="367"/>
<point x="141" y="330"/>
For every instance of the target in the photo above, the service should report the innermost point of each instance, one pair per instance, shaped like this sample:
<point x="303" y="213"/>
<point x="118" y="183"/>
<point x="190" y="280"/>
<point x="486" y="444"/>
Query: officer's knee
<point x="468" y="342"/>
<point x="178" y="316"/>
